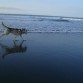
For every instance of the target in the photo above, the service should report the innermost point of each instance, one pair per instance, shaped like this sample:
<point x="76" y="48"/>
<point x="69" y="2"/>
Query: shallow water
<point x="42" y="58"/>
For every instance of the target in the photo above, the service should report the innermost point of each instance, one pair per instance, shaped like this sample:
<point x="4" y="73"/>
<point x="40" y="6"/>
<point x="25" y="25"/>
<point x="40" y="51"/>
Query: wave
<point x="53" y="31"/>
<point x="1" y="31"/>
<point x="44" y="23"/>
<point x="39" y="18"/>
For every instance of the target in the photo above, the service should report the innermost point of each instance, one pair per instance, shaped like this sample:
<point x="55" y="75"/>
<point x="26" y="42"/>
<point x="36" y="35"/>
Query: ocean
<point x="36" y="23"/>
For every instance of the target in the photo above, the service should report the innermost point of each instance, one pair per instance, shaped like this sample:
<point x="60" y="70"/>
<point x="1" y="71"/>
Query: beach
<point x="41" y="57"/>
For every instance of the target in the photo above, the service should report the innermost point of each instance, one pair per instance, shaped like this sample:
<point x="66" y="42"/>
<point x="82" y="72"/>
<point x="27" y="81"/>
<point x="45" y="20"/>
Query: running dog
<point x="16" y="32"/>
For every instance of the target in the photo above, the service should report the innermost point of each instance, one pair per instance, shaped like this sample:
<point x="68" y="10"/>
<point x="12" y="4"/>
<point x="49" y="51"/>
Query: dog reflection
<point x="16" y="32"/>
<point x="15" y="49"/>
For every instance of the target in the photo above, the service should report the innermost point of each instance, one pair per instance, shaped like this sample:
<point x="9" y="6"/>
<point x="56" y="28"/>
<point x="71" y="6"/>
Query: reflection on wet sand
<point x="16" y="32"/>
<point x="17" y="47"/>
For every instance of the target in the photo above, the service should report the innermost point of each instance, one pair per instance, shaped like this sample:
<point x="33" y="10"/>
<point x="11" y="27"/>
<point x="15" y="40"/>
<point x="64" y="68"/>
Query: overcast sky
<point x="69" y="8"/>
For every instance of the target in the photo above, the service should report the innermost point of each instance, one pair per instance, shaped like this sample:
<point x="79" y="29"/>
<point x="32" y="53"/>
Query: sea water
<point x="35" y="23"/>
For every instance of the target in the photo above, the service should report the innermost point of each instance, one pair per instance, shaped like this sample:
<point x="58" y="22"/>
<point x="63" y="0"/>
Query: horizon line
<point x="40" y="15"/>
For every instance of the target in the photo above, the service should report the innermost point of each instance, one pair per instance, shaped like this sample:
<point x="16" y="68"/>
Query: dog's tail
<point x="5" y="26"/>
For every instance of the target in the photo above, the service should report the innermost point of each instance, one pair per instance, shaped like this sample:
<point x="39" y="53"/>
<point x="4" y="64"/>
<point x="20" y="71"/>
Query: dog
<point x="16" y="32"/>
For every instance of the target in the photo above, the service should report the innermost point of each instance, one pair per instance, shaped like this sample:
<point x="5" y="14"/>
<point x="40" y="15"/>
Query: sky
<point x="70" y="8"/>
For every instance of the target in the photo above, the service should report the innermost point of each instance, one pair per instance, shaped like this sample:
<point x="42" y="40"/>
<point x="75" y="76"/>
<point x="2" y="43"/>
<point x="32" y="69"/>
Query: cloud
<point x="10" y="8"/>
<point x="13" y="10"/>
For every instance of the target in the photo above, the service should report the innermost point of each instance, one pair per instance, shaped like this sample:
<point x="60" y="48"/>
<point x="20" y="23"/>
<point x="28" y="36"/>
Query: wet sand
<point x="42" y="58"/>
